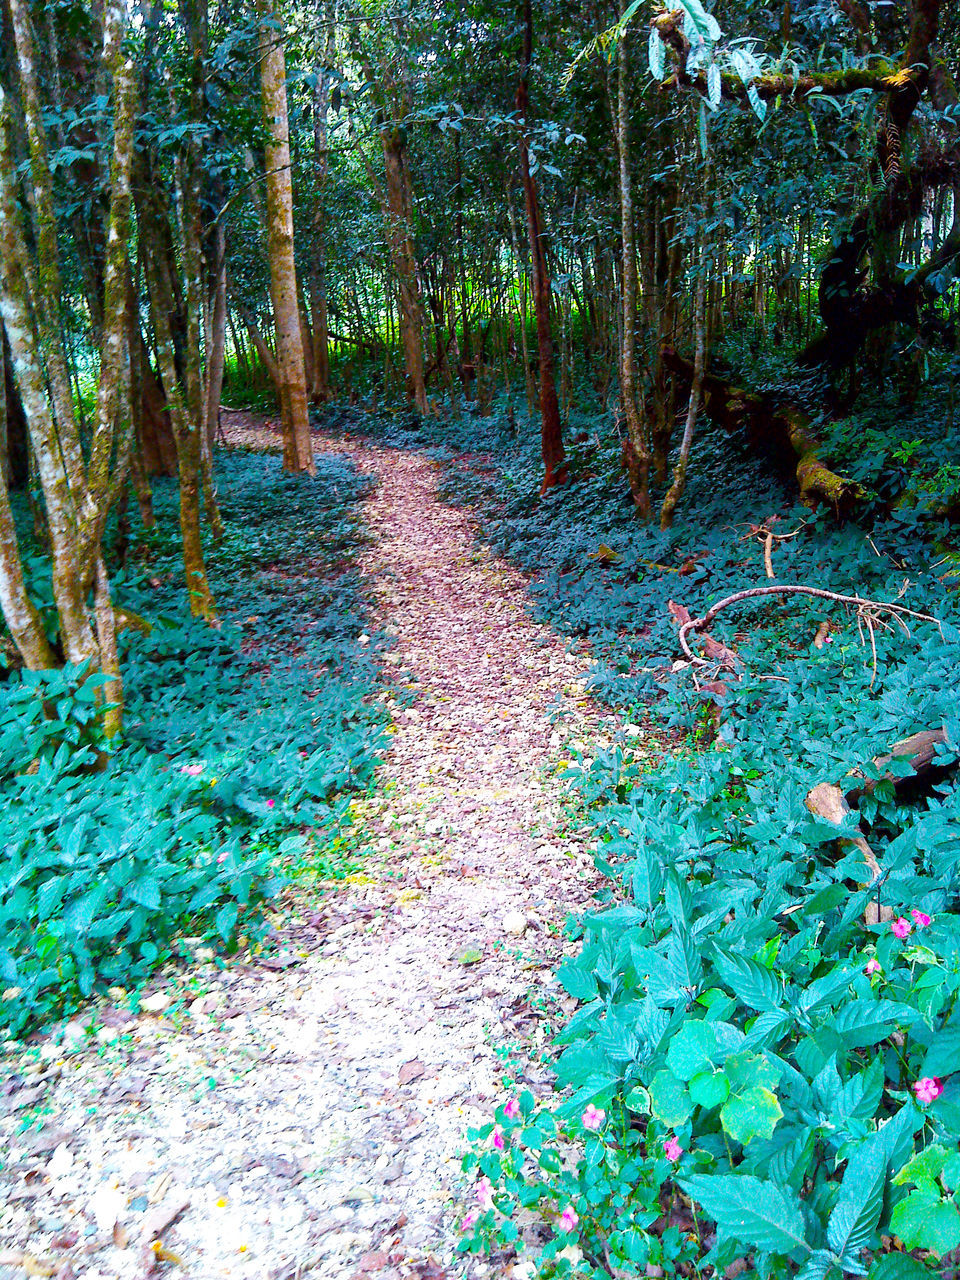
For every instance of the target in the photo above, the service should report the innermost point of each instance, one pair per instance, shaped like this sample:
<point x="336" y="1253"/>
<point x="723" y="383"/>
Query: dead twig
<point x="869" y="614"/>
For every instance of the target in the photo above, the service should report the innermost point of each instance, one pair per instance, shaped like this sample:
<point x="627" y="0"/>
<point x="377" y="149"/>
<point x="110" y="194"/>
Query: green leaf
<point x="750" y="1210"/>
<point x="750" y="980"/>
<point x="898" y="1266"/>
<point x="854" y="1219"/>
<point x="709" y="1089"/>
<point x="754" y="1113"/>
<point x="669" y="1100"/>
<point x="656" y="54"/>
<point x="576" y="981"/>
<point x="924" y="1223"/>
<point x="818" y="1266"/>
<point x="864" y="1023"/>
<point x="925" y="1165"/>
<point x="691" y="1050"/>
<point x="944" y="1053"/>
<point x="145" y="892"/>
<point x="790" y="1163"/>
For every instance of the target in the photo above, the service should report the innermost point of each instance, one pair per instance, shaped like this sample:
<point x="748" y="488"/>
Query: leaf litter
<point x="303" y="1114"/>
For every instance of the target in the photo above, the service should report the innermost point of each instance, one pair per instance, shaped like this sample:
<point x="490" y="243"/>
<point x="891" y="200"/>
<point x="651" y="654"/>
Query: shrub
<point x="241" y="748"/>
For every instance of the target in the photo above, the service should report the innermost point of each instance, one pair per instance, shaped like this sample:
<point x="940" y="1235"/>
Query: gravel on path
<point x="304" y="1116"/>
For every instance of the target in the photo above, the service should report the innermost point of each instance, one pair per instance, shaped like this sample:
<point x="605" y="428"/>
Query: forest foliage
<point x="683" y="282"/>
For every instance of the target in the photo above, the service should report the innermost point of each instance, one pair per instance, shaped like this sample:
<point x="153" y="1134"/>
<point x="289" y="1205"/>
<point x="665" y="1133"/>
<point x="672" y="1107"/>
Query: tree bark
<point x="675" y="492"/>
<point x="551" y="437"/>
<point x="637" y="447"/>
<point x="19" y="612"/>
<point x="297" y="445"/>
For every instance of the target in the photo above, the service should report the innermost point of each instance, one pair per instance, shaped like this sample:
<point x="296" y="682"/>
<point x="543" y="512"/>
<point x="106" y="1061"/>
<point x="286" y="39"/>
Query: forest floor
<point x="303" y="1115"/>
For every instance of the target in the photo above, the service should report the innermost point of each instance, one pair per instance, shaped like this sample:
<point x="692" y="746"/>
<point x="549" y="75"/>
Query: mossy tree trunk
<point x="637" y="444"/>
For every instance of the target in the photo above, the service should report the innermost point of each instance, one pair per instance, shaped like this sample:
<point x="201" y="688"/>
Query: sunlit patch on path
<point x="306" y="1119"/>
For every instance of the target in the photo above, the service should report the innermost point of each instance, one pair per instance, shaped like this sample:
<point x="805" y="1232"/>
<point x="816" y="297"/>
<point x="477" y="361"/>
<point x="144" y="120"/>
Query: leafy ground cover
<point x="241" y="748"/>
<point x="744" y="1037"/>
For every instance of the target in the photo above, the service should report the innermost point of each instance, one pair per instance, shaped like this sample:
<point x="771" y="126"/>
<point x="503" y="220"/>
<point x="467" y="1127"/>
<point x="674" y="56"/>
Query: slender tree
<point x="297" y="445"/>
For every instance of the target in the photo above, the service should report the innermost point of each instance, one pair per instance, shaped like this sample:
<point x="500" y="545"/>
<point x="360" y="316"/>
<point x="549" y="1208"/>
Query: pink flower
<point x="902" y="928"/>
<point x="497" y="1139"/>
<point x="270" y="804"/>
<point x="568" y="1219"/>
<point x="672" y="1149"/>
<point x="194" y="770"/>
<point x="593" y="1118"/>
<point x="873" y="966"/>
<point x="222" y="857"/>
<point x="928" y="1089"/>
<point x="511" y="1109"/>
<point x="920" y="918"/>
<point x="484" y="1194"/>
<point x="470" y="1219"/>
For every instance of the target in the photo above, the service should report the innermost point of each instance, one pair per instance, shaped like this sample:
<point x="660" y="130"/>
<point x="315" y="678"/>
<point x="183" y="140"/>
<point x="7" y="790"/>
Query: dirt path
<point x="307" y="1121"/>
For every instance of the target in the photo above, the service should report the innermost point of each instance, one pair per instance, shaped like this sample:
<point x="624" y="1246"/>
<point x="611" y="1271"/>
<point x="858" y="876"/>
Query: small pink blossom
<point x="568" y="1219"/>
<point x="470" y="1219"/>
<point x="194" y="770"/>
<point x="593" y="1118"/>
<point x="902" y="928"/>
<point x="484" y="1194"/>
<point x="928" y="1089"/>
<point x="497" y="1139"/>
<point x="511" y="1109"/>
<point x="672" y="1149"/>
<point x="920" y="918"/>
<point x="270" y="804"/>
<point x="221" y="857"/>
<point x="873" y="966"/>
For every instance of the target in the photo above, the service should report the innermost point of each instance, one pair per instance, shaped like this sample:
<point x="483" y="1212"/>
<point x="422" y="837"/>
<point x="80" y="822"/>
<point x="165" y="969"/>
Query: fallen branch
<point x="869" y="614"/>
<point x="833" y="802"/>
<point x="782" y="430"/>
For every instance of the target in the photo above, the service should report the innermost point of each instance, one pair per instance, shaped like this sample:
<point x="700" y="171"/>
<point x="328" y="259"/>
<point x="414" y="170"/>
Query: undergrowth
<point x="241" y="747"/>
<point x="754" y="1072"/>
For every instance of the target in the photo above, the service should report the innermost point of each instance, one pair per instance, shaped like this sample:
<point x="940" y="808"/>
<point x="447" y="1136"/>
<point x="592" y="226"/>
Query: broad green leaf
<point x="922" y="1222"/>
<point x="854" y="1219"/>
<point x="754" y="1113"/>
<point x="751" y="981"/>
<point x="709" y="1089"/>
<point x="691" y="1049"/>
<point x="898" y="1266"/>
<point x="669" y="1100"/>
<point x="750" y="1210"/>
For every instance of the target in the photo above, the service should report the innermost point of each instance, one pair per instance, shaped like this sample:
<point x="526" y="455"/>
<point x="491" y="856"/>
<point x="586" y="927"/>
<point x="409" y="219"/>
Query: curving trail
<point x="307" y="1120"/>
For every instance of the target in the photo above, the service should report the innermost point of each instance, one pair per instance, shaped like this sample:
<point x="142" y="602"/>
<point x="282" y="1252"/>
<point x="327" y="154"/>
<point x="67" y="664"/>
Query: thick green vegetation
<point x="750" y="1031"/>
<point x="241" y="747"/>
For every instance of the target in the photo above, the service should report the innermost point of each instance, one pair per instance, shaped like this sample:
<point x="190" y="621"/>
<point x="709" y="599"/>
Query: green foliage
<point x="236" y="741"/>
<point x="599" y="1207"/>
<point x="726" y="999"/>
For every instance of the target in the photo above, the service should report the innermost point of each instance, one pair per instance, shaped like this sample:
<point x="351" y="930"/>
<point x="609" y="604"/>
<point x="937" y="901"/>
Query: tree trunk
<point x="675" y="492"/>
<point x="19" y="612"/>
<point x="217" y="349"/>
<point x="637" y="447"/>
<point x="297" y="445"/>
<point x="554" y="462"/>
<point x="404" y="253"/>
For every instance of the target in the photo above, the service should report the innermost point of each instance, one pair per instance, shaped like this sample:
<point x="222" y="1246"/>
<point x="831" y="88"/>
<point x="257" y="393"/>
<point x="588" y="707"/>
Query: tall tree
<point x="551" y="436"/>
<point x="297" y="445"/>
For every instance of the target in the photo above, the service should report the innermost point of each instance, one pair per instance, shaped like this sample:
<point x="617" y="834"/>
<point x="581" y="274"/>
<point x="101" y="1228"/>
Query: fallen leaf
<point x="164" y="1215"/>
<point x="411" y="1071"/>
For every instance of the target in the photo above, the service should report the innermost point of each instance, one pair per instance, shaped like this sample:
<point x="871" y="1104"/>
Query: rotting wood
<point x="782" y="430"/>
<point x="833" y="801"/>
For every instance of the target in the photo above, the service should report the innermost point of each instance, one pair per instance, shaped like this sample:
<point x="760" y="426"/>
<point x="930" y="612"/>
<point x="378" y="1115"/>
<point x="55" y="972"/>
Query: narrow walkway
<point x="307" y="1120"/>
